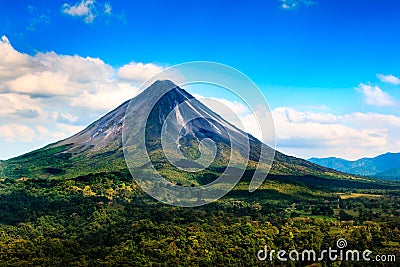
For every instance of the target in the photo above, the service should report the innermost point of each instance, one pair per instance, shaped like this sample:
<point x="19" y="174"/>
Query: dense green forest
<point x="105" y="220"/>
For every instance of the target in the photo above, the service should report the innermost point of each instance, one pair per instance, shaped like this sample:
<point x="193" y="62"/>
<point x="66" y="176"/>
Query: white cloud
<point x="105" y="99"/>
<point x="16" y="132"/>
<point x="21" y="138"/>
<point x="83" y="9"/>
<point x="375" y="96"/>
<point x="79" y="9"/>
<point x="44" y="83"/>
<point x="233" y="111"/>
<point x="12" y="63"/>
<point x="315" y="107"/>
<point x="52" y="75"/>
<point x="292" y="4"/>
<point x="63" y="131"/>
<point x="215" y="103"/>
<point x="59" y="92"/>
<point x="107" y="8"/>
<point x="15" y="105"/>
<point x="294" y="116"/>
<point x="49" y="74"/>
<point x="78" y="69"/>
<point x="350" y="136"/>
<point x="66" y="130"/>
<point x="64" y="117"/>
<point x="138" y="71"/>
<point x="90" y="10"/>
<point x="318" y="134"/>
<point x="374" y="120"/>
<point x="389" y="79"/>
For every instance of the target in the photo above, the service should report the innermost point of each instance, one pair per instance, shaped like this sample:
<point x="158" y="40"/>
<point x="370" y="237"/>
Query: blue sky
<point x="312" y="59"/>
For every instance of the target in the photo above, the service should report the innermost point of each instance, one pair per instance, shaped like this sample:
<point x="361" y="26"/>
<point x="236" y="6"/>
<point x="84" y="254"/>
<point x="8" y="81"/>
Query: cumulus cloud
<point x="64" y="117"/>
<point x="17" y="132"/>
<point x="294" y="116"/>
<point x="374" y="95"/>
<point x="104" y="98"/>
<point x="19" y="105"/>
<point x="78" y="69"/>
<point x="235" y="112"/>
<point x="389" y="79"/>
<point x="138" y="71"/>
<point x="40" y="84"/>
<point x="89" y="10"/>
<point x="12" y="63"/>
<point x="83" y="9"/>
<point x="351" y="136"/>
<point x="27" y="113"/>
<point x="59" y="93"/>
<point x="51" y="75"/>
<point x="216" y="103"/>
<point x="13" y="132"/>
<point x="257" y="122"/>
<point x="318" y="134"/>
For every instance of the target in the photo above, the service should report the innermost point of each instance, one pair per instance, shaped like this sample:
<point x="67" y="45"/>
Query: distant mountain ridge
<point x="385" y="166"/>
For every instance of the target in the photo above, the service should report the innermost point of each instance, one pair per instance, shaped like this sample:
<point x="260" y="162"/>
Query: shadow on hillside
<point x="22" y="206"/>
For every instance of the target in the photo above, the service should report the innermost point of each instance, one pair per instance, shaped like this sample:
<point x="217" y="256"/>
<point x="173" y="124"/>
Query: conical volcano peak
<point x="164" y="83"/>
<point x="162" y="86"/>
<point x="164" y="89"/>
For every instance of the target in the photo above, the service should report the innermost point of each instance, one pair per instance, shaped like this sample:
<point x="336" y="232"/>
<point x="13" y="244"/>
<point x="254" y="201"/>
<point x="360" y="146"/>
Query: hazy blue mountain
<point x="385" y="166"/>
<point x="391" y="174"/>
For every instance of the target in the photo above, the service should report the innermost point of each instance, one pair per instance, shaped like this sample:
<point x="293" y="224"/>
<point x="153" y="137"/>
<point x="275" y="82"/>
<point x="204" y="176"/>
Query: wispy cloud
<point x="38" y="17"/>
<point x="375" y="96"/>
<point x="292" y="4"/>
<point x="91" y="10"/>
<point x="107" y="8"/>
<point x="389" y="79"/>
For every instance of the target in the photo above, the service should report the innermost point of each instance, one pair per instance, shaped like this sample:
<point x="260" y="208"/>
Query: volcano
<point x="99" y="147"/>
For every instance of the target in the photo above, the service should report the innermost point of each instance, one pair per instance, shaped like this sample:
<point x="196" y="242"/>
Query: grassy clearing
<point x="357" y="195"/>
